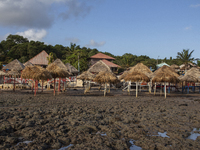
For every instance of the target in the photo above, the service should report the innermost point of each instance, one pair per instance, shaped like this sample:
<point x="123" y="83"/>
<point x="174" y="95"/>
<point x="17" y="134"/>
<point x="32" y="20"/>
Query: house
<point x="40" y="59"/>
<point x="108" y="60"/>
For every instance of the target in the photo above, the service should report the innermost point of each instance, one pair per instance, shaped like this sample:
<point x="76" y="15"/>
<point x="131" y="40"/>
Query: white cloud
<point x="33" y="34"/>
<point x="195" y="6"/>
<point x="73" y="40"/>
<point x="39" y="13"/>
<point x="188" y="28"/>
<point x="95" y="44"/>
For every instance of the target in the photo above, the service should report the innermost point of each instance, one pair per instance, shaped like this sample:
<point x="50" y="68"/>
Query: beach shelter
<point x="192" y="75"/>
<point x="106" y="77"/>
<point x="28" y="63"/>
<point x="36" y="73"/>
<point x="164" y="74"/>
<point x="13" y="73"/>
<point x="86" y="76"/>
<point x="99" y="66"/>
<point x="14" y="65"/>
<point x="58" y="70"/>
<point x="71" y="68"/>
<point x="135" y="76"/>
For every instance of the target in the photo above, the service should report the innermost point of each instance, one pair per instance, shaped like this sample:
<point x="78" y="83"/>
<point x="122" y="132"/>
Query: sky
<point x="156" y="28"/>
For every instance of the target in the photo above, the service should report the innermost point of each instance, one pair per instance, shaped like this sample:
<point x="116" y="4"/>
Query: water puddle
<point x="66" y="147"/>
<point x="101" y="133"/>
<point x="26" y="142"/>
<point x="133" y="146"/>
<point x="194" y="135"/>
<point x="164" y="134"/>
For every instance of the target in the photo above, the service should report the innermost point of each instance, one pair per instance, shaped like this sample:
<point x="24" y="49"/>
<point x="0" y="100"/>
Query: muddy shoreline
<point x="92" y="121"/>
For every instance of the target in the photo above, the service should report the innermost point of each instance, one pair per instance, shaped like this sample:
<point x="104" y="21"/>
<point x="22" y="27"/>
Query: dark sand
<point x="92" y="121"/>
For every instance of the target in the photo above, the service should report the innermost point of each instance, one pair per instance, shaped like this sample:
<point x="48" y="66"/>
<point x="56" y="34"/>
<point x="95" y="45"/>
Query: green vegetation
<point x="18" y="47"/>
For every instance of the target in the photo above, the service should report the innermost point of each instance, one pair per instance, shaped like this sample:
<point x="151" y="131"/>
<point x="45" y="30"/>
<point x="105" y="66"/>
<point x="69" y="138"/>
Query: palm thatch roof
<point x="2" y="73"/>
<point x="165" y="77"/>
<point x="140" y="67"/>
<point x="86" y="76"/>
<point x="99" y="66"/>
<point x="192" y="75"/>
<point x="15" y="64"/>
<point x="123" y="75"/>
<point x="71" y="68"/>
<point x="28" y="63"/>
<point x="135" y="76"/>
<point x="36" y="73"/>
<point x="58" y="69"/>
<point x="106" y="77"/>
<point x="13" y="73"/>
<point x="174" y="67"/>
<point x="164" y="69"/>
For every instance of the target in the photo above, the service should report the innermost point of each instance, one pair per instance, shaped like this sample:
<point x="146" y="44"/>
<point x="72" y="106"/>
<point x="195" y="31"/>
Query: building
<point x="108" y="60"/>
<point x="40" y="59"/>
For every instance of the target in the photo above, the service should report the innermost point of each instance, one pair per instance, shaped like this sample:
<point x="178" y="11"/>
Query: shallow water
<point x="133" y="146"/>
<point x="66" y="147"/>
<point x="193" y="135"/>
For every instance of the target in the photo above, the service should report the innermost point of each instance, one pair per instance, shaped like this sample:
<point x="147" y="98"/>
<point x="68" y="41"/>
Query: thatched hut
<point x="36" y="73"/>
<point x="105" y="77"/>
<point x="58" y="70"/>
<point x="71" y="69"/>
<point x="140" y="67"/>
<point x="86" y="76"/>
<point x="13" y="73"/>
<point x="99" y="66"/>
<point x="134" y="76"/>
<point x="14" y="65"/>
<point x="164" y="74"/>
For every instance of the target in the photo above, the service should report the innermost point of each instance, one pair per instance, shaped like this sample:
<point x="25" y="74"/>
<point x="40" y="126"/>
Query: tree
<point x="51" y="58"/>
<point x="185" y="57"/>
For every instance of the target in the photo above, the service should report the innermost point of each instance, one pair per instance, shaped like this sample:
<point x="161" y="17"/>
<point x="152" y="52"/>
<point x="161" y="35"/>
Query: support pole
<point x="169" y="88"/>
<point x="188" y="88"/>
<point x="160" y="89"/>
<point x="42" y="85"/>
<point x="105" y="90"/>
<point x="35" y="87"/>
<point x="149" y="87"/>
<point x="136" y="89"/>
<point x="165" y="90"/>
<point x="54" y="87"/>
<point x="14" y="84"/>
<point x="129" y="85"/>
<point x="155" y="89"/>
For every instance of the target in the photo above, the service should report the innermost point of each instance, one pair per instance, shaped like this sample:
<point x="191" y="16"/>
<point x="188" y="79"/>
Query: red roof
<point x="40" y="59"/>
<point x="110" y="64"/>
<point x="101" y="56"/>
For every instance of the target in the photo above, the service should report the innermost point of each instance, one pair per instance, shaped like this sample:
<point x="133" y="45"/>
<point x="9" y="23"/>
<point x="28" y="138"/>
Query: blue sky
<point x="156" y="28"/>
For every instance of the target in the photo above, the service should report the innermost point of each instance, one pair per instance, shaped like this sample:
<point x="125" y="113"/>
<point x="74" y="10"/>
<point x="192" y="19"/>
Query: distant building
<point x="40" y="59"/>
<point x="108" y="60"/>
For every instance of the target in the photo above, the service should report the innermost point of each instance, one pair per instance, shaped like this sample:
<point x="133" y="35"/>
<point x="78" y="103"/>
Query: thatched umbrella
<point x="135" y="76"/>
<point x="13" y="73"/>
<point x="105" y="77"/>
<point x="99" y="66"/>
<point x="174" y="66"/>
<point x="165" y="76"/>
<point x="36" y="73"/>
<point x="58" y="70"/>
<point x="192" y="75"/>
<point x="2" y="73"/>
<point x="88" y="76"/>
<point x="14" y="65"/>
<point x="71" y="68"/>
<point x="140" y="67"/>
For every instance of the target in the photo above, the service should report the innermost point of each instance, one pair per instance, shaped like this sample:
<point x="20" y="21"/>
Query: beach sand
<point x="73" y="120"/>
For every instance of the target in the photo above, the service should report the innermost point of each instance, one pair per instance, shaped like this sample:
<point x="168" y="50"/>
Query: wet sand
<point x="92" y="121"/>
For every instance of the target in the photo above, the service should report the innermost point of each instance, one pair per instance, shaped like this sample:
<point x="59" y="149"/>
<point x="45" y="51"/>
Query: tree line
<point x="19" y="47"/>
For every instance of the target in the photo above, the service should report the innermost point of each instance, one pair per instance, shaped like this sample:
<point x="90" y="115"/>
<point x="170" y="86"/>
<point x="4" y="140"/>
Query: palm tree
<point x="185" y="57"/>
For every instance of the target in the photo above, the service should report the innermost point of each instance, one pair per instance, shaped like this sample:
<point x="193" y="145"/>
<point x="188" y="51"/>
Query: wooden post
<point x="169" y="88"/>
<point x="149" y="87"/>
<point x="165" y="90"/>
<point x="35" y="87"/>
<point x="59" y="85"/>
<point x="160" y="89"/>
<point x="129" y="85"/>
<point x="54" y="87"/>
<point x="136" y="89"/>
<point x="109" y="88"/>
<point x="42" y="85"/>
<point x="188" y="88"/>
<point x="105" y="90"/>
<point x="14" y="84"/>
<point x="155" y="89"/>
